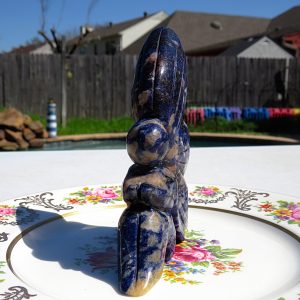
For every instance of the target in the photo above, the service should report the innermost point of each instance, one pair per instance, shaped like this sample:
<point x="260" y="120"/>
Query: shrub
<point x="220" y="124"/>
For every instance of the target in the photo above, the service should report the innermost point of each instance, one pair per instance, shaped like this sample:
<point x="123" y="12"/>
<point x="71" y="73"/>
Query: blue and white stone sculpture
<point x="158" y="143"/>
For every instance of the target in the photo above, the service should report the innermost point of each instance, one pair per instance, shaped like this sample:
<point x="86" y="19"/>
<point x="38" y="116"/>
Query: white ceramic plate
<point x="62" y="245"/>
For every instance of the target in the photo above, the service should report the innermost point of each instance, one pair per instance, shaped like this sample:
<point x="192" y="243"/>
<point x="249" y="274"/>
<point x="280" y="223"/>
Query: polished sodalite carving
<point x="158" y="143"/>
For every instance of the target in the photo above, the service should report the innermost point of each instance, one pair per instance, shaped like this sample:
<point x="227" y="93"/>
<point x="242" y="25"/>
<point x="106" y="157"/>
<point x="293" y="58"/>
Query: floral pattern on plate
<point x="16" y="293"/>
<point x="7" y="212"/>
<point x="282" y="211"/>
<point x="196" y="255"/>
<point x="44" y="200"/>
<point x="192" y="257"/>
<point x="206" y="195"/>
<point x="3" y="237"/>
<point x="103" y="194"/>
<point x="196" y="260"/>
<point x="16" y="215"/>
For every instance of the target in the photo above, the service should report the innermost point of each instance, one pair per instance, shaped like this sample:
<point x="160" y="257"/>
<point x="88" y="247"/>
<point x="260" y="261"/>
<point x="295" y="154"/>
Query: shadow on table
<point x="91" y="250"/>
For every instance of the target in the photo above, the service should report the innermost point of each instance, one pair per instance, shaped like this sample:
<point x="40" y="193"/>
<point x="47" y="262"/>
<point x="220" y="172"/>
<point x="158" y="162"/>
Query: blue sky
<point x="21" y="19"/>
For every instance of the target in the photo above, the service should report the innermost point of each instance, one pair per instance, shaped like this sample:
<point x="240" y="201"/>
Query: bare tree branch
<point x="77" y="44"/>
<point x="92" y="4"/>
<point x="62" y="8"/>
<point x="56" y="41"/>
<point x="44" y="4"/>
<point x="42" y="33"/>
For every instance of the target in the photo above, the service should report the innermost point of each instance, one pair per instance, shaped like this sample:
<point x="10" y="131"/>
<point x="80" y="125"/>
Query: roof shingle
<point x="287" y="22"/>
<point x="200" y="30"/>
<point x="109" y="30"/>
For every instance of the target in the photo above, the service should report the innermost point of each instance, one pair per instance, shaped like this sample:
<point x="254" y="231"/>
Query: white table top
<point x="272" y="169"/>
<point x="266" y="168"/>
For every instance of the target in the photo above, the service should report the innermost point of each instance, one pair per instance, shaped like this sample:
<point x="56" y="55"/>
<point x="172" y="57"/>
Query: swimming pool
<point x="195" y="142"/>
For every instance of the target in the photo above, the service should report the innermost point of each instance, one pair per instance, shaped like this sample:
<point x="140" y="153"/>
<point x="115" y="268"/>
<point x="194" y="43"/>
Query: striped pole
<point x="51" y="119"/>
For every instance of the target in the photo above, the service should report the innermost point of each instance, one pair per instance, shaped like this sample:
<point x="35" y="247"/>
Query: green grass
<point x="92" y="125"/>
<point x="222" y="125"/>
<point x="122" y="124"/>
<point x="36" y="117"/>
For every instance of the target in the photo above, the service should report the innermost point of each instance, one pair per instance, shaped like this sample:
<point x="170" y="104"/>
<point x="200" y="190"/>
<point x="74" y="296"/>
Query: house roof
<point x="287" y="22"/>
<point x="199" y="30"/>
<point x="109" y="30"/>
<point x="27" y="48"/>
<point x="240" y="47"/>
<point x="214" y="48"/>
<point x="260" y="47"/>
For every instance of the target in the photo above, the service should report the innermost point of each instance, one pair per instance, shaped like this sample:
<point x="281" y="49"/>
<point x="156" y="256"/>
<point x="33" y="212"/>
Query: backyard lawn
<point x="284" y="126"/>
<point x="90" y="125"/>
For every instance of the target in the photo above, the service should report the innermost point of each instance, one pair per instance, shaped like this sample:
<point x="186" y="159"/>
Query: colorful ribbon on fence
<point x="197" y="115"/>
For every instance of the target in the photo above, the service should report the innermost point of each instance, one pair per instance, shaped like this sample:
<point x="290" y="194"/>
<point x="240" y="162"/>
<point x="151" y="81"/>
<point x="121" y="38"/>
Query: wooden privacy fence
<point x="100" y="86"/>
<point x="96" y="86"/>
<point x="229" y="81"/>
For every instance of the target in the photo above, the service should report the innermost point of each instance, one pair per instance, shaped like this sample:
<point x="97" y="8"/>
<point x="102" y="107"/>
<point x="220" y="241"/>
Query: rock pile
<point x="19" y="131"/>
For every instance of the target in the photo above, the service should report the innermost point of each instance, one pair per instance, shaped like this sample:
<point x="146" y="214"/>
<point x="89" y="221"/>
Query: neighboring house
<point x="286" y="23"/>
<point x="33" y="48"/>
<point x="201" y="34"/>
<point x="30" y="48"/>
<point x="285" y="29"/>
<point x="108" y="39"/>
<point x="42" y="49"/>
<point x="202" y="30"/>
<point x="262" y="47"/>
<point x="118" y="37"/>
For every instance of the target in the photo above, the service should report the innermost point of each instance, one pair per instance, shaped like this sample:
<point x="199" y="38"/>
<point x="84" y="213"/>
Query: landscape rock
<point x="45" y="134"/>
<point x="2" y="134"/>
<point x="36" y="143"/>
<point x="37" y="127"/>
<point x="28" y="134"/>
<point x="8" y="146"/>
<point x="12" y="119"/>
<point x="16" y="136"/>
<point x="27" y="120"/>
<point x="19" y="132"/>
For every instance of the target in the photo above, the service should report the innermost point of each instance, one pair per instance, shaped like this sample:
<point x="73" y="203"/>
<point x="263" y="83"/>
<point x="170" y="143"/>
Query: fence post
<point x="3" y="89"/>
<point x="286" y="78"/>
<point x="63" y="84"/>
<point x="2" y="83"/>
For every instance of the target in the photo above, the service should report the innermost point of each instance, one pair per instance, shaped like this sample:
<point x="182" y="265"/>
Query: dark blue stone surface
<point x="158" y="143"/>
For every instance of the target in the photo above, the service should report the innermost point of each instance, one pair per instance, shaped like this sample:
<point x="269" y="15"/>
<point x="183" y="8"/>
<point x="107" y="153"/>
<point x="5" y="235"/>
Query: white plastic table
<point x="268" y="168"/>
<point x="52" y="246"/>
